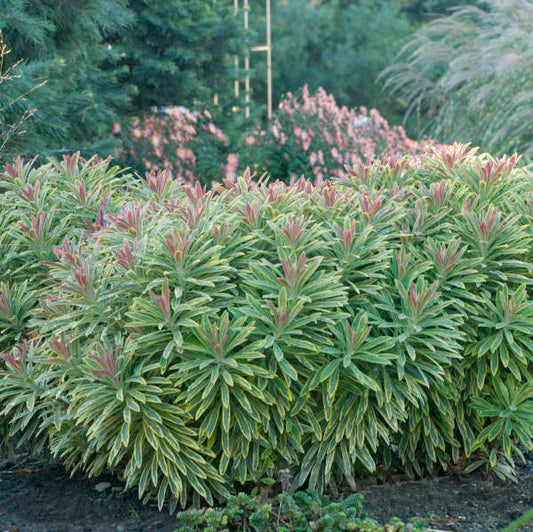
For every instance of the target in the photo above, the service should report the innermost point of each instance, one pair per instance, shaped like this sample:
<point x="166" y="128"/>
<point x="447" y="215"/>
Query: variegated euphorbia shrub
<point x="191" y="338"/>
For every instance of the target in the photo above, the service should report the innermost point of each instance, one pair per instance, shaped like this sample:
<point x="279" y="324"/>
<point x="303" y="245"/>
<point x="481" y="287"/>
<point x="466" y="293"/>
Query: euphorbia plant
<point x="191" y="338"/>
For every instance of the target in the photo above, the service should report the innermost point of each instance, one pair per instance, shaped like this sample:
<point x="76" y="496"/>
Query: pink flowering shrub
<point x="229" y="169"/>
<point x="189" y="146"/>
<point x="314" y="137"/>
<point x="310" y="136"/>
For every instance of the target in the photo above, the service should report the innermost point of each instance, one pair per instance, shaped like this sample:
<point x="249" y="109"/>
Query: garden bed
<point x="38" y="497"/>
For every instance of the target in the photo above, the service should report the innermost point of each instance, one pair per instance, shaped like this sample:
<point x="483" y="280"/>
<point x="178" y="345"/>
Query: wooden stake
<point x="236" y="58"/>
<point x="246" y="65"/>
<point x="269" y="60"/>
<point x="264" y="48"/>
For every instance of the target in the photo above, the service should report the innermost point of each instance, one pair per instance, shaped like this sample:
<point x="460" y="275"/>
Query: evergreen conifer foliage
<point x="178" y="52"/>
<point x="64" y="44"/>
<point x="106" y="59"/>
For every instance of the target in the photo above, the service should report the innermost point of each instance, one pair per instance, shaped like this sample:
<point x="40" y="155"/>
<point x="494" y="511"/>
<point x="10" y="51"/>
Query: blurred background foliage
<point x="469" y="76"/>
<point x="343" y="45"/>
<point x="104" y="60"/>
<point x="82" y="67"/>
<point x="64" y="44"/>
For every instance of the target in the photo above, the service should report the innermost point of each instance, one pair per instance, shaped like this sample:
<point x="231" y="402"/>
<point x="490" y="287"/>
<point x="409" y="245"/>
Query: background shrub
<point x="112" y="60"/>
<point x="188" y="145"/>
<point x="313" y="136"/>
<point x="191" y="339"/>
<point x="310" y="136"/>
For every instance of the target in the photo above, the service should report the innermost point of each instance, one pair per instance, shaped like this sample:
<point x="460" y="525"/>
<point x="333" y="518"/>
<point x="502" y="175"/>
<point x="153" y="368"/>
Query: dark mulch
<point x="37" y="498"/>
<point x="451" y="503"/>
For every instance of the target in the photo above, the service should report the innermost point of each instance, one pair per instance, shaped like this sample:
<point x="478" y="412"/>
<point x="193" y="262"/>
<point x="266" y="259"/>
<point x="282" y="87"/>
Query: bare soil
<point x="469" y="504"/>
<point x="36" y="498"/>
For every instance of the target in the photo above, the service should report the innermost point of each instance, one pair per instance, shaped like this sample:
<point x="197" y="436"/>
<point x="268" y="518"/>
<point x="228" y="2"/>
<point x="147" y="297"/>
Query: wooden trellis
<point x="263" y="48"/>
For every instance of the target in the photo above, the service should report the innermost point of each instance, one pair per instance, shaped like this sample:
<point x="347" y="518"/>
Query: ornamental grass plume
<point x="467" y="76"/>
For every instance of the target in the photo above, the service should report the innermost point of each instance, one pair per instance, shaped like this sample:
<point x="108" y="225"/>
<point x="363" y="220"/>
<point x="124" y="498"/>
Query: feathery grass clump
<point x="468" y="76"/>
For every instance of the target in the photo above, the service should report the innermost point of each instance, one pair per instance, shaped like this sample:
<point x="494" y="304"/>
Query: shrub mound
<point x="189" y="339"/>
<point x="310" y="135"/>
<point x="188" y="145"/>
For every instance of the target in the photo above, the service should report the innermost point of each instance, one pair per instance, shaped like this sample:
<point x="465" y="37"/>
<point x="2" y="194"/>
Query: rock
<point x="155" y="525"/>
<point x="102" y="486"/>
